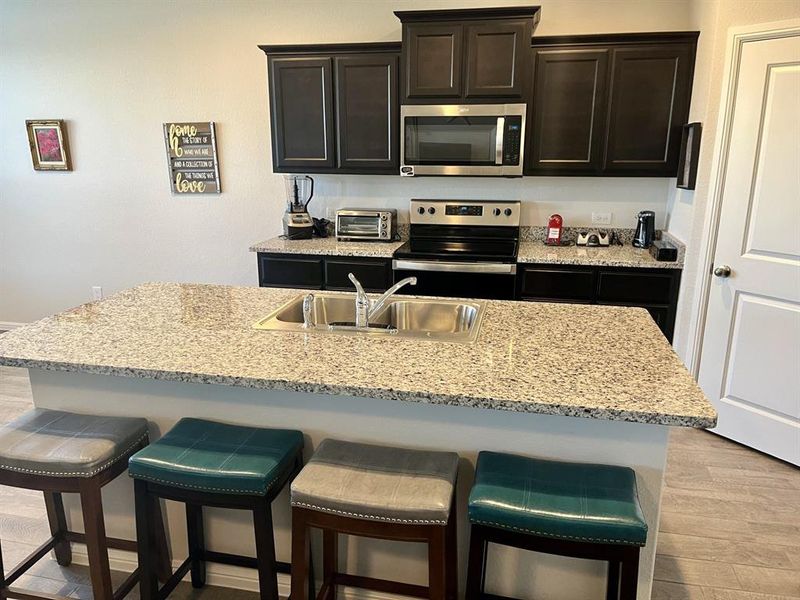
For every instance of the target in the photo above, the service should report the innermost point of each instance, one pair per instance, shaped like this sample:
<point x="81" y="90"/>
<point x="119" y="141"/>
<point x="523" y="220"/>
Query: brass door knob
<point x="722" y="271"/>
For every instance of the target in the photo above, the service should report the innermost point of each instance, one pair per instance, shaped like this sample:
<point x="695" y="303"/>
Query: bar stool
<point x="205" y="463"/>
<point x="569" y="509"/>
<point x="376" y="492"/>
<point x="60" y="452"/>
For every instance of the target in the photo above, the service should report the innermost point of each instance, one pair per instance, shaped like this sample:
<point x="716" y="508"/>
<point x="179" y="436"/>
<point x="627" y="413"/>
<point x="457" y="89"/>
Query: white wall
<point x="687" y="209"/>
<point x="117" y="70"/>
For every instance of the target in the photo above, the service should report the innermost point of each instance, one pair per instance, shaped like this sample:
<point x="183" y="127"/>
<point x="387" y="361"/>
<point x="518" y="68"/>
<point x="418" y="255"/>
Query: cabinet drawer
<point x="632" y="287"/>
<point x="290" y="271"/>
<point x="375" y="275"/>
<point x="558" y="284"/>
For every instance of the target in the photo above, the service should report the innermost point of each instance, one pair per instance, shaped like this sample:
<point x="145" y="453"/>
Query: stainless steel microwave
<point x="364" y="224"/>
<point x="462" y="139"/>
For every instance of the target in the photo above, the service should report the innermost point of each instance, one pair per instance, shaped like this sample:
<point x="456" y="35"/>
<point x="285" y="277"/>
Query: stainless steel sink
<point x="423" y="318"/>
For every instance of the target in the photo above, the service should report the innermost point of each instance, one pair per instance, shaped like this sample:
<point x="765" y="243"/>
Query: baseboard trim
<point x="225" y="576"/>
<point x="9" y="325"/>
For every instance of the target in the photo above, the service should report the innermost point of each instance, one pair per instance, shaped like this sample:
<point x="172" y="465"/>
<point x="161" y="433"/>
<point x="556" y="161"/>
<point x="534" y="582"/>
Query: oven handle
<point x="454" y="267"/>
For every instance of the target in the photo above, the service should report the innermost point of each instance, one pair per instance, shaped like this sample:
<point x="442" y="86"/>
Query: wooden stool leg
<point x="54" y="504"/>
<point x="197" y="543"/>
<point x="148" y="583"/>
<point x="2" y="573"/>
<point x="96" y="546"/>
<point x="330" y="560"/>
<point x="612" y="587"/>
<point x="265" y="551"/>
<point x="451" y="557"/>
<point x="437" y="571"/>
<point x="629" y="582"/>
<point x="476" y="567"/>
<point x="163" y="563"/>
<point x="300" y="557"/>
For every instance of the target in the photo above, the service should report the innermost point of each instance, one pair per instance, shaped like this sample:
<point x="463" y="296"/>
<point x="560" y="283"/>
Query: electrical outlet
<point x="97" y="292"/>
<point x="600" y="218"/>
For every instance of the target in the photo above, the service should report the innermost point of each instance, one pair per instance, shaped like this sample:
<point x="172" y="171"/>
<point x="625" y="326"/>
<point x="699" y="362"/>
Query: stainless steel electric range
<point x="461" y="248"/>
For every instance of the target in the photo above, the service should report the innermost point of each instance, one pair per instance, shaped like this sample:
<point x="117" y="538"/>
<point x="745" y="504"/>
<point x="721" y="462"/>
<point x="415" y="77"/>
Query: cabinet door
<point x="650" y="86"/>
<point x="432" y="53"/>
<point x="375" y="274"/>
<point x="290" y="271"/>
<point x="558" y="284"/>
<point x="497" y="58"/>
<point x="301" y="104"/>
<point x="569" y="109"/>
<point x="366" y="112"/>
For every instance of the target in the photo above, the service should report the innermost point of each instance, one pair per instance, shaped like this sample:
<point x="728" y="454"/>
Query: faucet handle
<point x="359" y="288"/>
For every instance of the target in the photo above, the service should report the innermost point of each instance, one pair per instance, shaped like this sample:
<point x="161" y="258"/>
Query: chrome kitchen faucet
<point x="366" y="309"/>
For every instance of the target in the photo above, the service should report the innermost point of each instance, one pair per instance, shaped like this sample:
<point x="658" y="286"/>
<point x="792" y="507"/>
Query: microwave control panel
<point x="512" y="138"/>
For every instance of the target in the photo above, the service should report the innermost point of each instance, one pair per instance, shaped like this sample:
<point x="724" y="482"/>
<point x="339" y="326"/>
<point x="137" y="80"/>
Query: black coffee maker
<point x="645" y="229"/>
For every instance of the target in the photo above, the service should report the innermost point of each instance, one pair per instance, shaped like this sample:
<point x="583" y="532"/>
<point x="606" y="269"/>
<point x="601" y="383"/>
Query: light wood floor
<point x="730" y="528"/>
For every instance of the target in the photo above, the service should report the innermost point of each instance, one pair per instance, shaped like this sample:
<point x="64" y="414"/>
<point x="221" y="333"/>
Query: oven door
<point x="358" y="225"/>
<point x="494" y="281"/>
<point x="461" y="139"/>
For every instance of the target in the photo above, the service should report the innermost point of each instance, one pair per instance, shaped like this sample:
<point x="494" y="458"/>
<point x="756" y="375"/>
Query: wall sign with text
<point x="192" y="157"/>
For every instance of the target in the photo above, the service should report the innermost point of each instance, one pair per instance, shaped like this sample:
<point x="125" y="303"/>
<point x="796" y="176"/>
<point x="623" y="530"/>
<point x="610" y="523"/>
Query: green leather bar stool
<point x="569" y="509"/>
<point x="56" y="452"/>
<point x="378" y="492"/>
<point x="205" y="463"/>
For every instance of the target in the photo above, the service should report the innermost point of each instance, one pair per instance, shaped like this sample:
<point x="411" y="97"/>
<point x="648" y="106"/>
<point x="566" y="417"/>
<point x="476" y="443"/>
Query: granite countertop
<point x="612" y="256"/>
<point x="328" y="246"/>
<point x="601" y="362"/>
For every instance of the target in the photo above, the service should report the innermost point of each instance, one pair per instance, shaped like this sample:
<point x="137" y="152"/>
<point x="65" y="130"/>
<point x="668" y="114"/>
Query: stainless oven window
<point x="450" y="140"/>
<point x="352" y="224"/>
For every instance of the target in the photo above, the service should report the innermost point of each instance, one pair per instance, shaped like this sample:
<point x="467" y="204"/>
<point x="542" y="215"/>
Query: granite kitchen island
<point x="569" y="382"/>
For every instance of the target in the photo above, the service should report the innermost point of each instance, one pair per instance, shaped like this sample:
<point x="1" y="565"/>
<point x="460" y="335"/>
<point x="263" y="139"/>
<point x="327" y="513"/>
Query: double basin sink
<point x="409" y="317"/>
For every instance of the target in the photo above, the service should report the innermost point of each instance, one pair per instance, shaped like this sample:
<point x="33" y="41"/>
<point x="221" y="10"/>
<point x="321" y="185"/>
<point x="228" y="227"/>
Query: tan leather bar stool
<point x="376" y="492"/>
<point x="58" y="452"/>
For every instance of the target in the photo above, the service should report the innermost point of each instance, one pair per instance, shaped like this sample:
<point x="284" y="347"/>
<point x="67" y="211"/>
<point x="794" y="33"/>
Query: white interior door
<point x="750" y="362"/>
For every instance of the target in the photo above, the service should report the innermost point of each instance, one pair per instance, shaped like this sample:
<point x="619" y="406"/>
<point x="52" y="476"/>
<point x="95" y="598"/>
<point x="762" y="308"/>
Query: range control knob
<point x="421" y="210"/>
<point x="431" y="210"/>
<point x="508" y="212"/>
<point x="496" y="212"/>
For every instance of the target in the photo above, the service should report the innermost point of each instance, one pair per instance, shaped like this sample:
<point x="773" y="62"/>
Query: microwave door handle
<point x="498" y="148"/>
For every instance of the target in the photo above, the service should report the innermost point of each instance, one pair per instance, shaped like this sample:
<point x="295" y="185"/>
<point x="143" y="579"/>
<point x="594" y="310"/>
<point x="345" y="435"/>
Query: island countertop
<point x="601" y="362"/>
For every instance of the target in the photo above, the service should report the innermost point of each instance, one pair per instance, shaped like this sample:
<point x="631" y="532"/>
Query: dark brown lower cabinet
<point x="655" y="290"/>
<point x="323" y="272"/>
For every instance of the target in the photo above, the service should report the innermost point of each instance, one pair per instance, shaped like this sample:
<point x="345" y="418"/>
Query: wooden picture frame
<point x="49" y="144"/>
<point x="689" y="156"/>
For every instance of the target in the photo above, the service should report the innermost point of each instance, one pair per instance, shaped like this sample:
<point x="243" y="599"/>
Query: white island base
<point x="415" y="425"/>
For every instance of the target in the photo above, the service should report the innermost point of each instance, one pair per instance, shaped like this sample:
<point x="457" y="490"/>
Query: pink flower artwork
<point x="49" y="145"/>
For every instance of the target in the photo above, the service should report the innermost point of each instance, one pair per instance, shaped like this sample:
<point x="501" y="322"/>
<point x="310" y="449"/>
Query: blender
<point x="297" y="223"/>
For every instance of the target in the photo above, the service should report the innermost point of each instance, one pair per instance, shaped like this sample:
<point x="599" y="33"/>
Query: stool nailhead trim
<point x="370" y="517"/>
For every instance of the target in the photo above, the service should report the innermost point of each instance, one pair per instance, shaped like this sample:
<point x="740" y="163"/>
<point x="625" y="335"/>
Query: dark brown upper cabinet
<point x="496" y="58"/>
<point x="609" y="104"/>
<point x="334" y="108"/>
<point x="651" y="86"/>
<point x="569" y="110"/>
<point x="367" y="114"/>
<point x="466" y="56"/>
<point x="435" y="52"/>
<point x="301" y="99"/>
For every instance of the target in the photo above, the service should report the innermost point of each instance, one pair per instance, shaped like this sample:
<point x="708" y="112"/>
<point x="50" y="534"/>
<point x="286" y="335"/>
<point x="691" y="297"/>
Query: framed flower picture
<point x="49" y="145"/>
